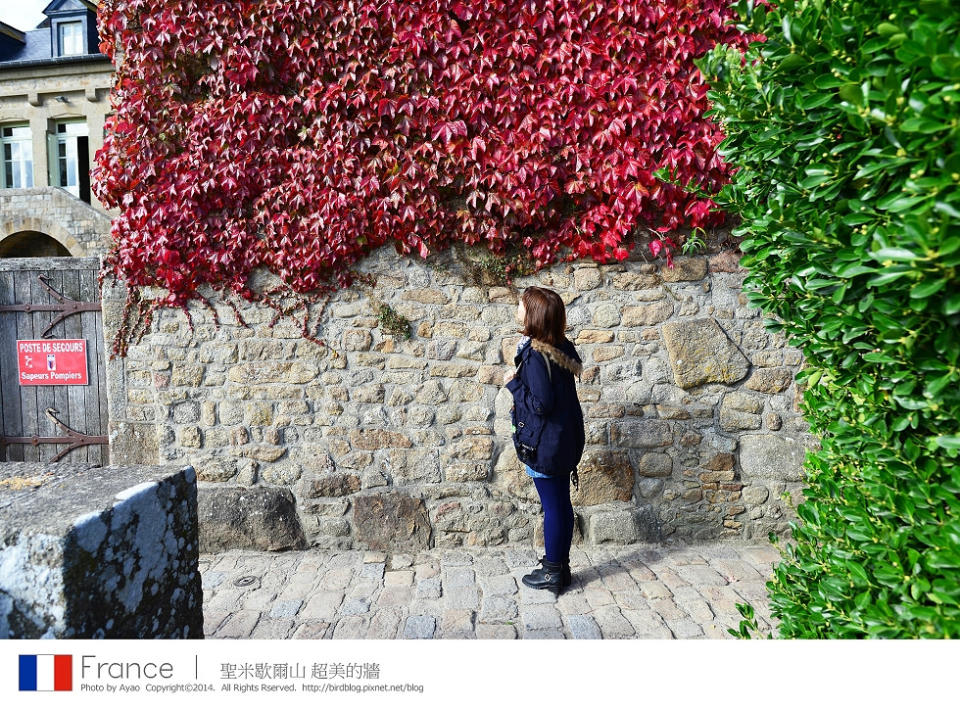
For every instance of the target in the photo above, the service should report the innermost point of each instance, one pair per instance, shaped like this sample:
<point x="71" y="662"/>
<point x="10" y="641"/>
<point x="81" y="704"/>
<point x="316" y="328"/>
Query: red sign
<point x="48" y="362"/>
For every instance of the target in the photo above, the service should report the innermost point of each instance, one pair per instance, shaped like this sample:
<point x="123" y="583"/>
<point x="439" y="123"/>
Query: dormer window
<point x="67" y="34"/>
<point x="70" y="38"/>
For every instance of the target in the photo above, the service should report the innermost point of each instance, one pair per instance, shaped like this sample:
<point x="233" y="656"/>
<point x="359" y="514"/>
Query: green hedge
<point x="845" y="127"/>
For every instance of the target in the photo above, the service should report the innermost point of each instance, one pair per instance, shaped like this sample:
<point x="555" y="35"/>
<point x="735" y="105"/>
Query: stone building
<point x="54" y="88"/>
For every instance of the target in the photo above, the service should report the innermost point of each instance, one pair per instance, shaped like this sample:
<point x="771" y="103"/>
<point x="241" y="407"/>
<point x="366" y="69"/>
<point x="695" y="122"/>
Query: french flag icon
<point x="46" y="673"/>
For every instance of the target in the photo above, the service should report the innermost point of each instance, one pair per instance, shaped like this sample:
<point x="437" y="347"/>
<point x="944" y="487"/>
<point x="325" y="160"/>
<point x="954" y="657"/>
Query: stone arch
<point x="15" y="226"/>
<point x="32" y="244"/>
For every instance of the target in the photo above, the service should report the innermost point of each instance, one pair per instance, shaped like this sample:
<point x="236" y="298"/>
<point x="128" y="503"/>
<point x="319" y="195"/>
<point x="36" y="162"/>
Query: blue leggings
<point x="557" y="516"/>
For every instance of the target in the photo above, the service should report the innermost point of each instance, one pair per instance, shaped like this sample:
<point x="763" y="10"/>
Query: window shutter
<point x="53" y="169"/>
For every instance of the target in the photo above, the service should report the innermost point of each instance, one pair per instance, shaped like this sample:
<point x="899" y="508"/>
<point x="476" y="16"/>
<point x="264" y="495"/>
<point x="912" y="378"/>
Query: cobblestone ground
<point x="637" y="591"/>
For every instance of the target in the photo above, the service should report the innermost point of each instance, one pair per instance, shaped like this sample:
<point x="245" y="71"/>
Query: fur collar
<point x="557" y="355"/>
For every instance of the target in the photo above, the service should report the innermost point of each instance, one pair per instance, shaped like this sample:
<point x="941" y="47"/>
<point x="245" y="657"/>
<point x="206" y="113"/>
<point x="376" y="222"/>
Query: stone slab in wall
<point x="391" y="521"/>
<point x="258" y="517"/>
<point x="700" y="352"/>
<point x="99" y="552"/>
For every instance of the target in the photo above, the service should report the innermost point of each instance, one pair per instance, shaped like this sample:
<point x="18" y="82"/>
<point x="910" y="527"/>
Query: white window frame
<point x="62" y="154"/>
<point x="20" y="162"/>
<point x="70" y="44"/>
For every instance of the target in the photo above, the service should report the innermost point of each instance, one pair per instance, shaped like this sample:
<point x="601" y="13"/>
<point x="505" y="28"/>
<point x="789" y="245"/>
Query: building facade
<point x="54" y="100"/>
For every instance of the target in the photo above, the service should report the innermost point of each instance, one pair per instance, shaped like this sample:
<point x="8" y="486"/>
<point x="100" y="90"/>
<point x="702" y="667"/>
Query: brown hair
<point x="545" y="315"/>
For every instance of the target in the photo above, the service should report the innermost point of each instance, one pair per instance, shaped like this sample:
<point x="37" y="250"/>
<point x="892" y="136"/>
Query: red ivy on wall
<point x="301" y="134"/>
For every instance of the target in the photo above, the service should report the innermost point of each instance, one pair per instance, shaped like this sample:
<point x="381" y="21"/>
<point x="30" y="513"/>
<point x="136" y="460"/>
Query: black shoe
<point x="549" y="576"/>
<point x="567" y="578"/>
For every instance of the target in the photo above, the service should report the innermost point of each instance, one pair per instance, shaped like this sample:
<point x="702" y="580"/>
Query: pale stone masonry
<point x="690" y="405"/>
<point x="80" y="228"/>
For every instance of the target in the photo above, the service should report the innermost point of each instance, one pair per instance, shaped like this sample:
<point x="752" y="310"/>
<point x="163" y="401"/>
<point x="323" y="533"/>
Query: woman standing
<point x="548" y="431"/>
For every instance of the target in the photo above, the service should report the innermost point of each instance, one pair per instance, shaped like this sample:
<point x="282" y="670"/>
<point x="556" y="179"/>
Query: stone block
<point x="626" y="526"/>
<point x="336" y="485"/>
<point x="647" y="314"/>
<point x="132" y="443"/>
<point x="391" y="521"/>
<point x="770" y="380"/>
<point x="685" y="268"/>
<point x="606" y="315"/>
<point x="734" y="420"/>
<point x="233" y="517"/>
<point x="655" y="465"/>
<point x="772" y="457"/>
<point x="700" y="352"/>
<point x="742" y="402"/>
<point x="497" y="609"/>
<point x="540" y="616"/>
<point x="99" y="552"/>
<point x="586" y="279"/>
<point x="719" y="461"/>
<point x="261" y="372"/>
<point x="583" y="627"/>
<point x="605" y="476"/>
<point x="457" y="623"/>
<point x="755" y="494"/>
<point x="632" y="281"/>
<point x="377" y="439"/>
<point x="641" y="434"/>
<point x="215" y="469"/>
<point x="429" y="588"/>
<point x="589" y="337"/>
<point x="612" y="623"/>
<point x="420" y="627"/>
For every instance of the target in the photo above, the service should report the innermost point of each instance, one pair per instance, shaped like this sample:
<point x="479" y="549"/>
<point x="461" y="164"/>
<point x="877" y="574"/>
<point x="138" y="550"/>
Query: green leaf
<point x="853" y="93"/>
<point x="898" y="202"/>
<point x="828" y="81"/>
<point x="879" y="358"/>
<point x="947" y="209"/>
<point x="922" y="125"/>
<point x="939" y="384"/>
<point x="894" y="254"/>
<point x="815" y="181"/>
<point x="946" y="66"/>
<point x="951" y="305"/>
<point x="785" y="25"/>
<point x="948" y="442"/>
<point x="925" y="290"/>
<point x="858" y="571"/>
<point x="792" y="61"/>
<point x="855" y="269"/>
<point x="811" y="101"/>
<point x="886" y="29"/>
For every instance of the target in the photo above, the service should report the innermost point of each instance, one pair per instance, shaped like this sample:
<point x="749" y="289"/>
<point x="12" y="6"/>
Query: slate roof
<point x="36" y="49"/>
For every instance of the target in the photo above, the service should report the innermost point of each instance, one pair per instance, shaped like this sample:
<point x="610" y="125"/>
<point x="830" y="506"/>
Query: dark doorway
<point x="83" y="167"/>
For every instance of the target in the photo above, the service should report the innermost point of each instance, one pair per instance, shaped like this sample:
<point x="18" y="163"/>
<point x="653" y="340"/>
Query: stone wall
<point x="690" y="407"/>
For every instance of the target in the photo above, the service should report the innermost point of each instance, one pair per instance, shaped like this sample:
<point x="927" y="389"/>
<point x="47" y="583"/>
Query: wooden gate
<point x="52" y="298"/>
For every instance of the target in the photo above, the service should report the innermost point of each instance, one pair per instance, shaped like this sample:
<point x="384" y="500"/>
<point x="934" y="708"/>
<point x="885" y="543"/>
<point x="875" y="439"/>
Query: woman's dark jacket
<point x="546" y="413"/>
